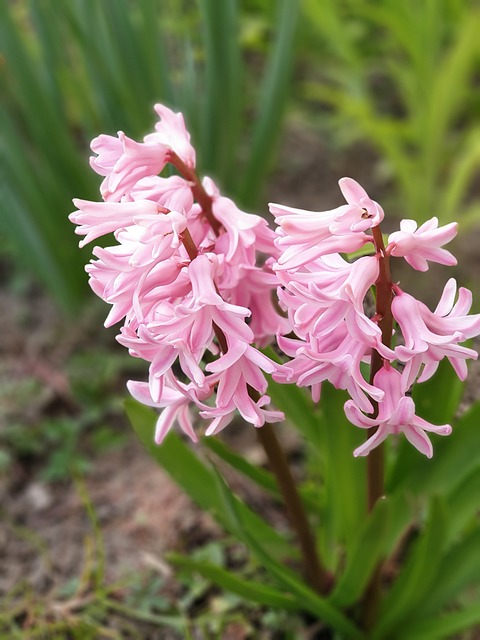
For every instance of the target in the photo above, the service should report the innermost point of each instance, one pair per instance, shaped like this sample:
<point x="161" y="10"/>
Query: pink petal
<point x="378" y="437"/>
<point x="351" y="190"/>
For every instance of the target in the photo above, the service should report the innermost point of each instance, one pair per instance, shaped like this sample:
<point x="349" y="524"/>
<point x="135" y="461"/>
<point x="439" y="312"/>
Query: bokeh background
<point x="282" y="99"/>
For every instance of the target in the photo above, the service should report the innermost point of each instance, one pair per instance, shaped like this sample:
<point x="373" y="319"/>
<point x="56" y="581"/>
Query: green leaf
<point x="272" y="102"/>
<point x="223" y="76"/>
<point x="367" y="549"/>
<point x="306" y="599"/>
<point x="417" y="577"/>
<point x="198" y="481"/>
<point x="459" y="568"/>
<point x="452" y="461"/>
<point x="298" y="409"/>
<point x="248" y="589"/>
<point x="446" y="626"/>
<point x="258" y="475"/>
<point x="463" y="502"/>
<point x="437" y="399"/>
<point x="344" y="475"/>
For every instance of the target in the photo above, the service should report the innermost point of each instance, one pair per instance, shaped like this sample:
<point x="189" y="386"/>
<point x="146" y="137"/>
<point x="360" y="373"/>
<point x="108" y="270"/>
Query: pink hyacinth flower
<point x="171" y="131"/>
<point x="237" y="372"/>
<point x="108" y="150"/>
<point x="175" y="404"/>
<point x="396" y="414"/>
<point x="96" y="219"/>
<point x="125" y="164"/>
<point x="337" y="358"/>
<point x="418" y="246"/>
<point x="363" y="213"/>
<point x="173" y="192"/>
<point x="429" y="337"/>
<point x="304" y="236"/>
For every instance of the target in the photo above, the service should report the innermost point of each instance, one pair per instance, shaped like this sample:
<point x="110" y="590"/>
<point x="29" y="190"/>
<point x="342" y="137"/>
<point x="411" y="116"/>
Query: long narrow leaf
<point x="437" y="401"/>
<point x="459" y="569"/>
<point x="307" y="600"/>
<point x="366" y="551"/>
<point x="417" y="576"/>
<point x="272" y="101"/>
<point x="453" y="457"/>
<point x="344" y="474"/>
<point x="446" y="626"/>
<point x="464" y="501"/>
<point x="247" y="589"/>
<point x="198" y="481"/>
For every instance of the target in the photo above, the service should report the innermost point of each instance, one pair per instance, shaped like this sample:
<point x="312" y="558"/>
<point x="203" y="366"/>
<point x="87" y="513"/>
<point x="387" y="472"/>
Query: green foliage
<point x="424" y="535"/>
<point x="399" y="76"/>
<point x="72" y="72"/>
<point x="199" y="481"/>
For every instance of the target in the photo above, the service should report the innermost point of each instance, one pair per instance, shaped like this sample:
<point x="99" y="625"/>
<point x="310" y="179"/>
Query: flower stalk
<point x="314" y="572"/>
<point x="383" y="285"/>
<point x="376" y="459"/>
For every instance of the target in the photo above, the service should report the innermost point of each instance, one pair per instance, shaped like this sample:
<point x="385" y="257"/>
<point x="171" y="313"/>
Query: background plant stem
<point x="315" y="574"/>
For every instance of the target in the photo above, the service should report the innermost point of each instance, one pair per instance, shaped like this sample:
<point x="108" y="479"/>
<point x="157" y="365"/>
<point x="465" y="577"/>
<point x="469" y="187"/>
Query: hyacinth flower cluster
<point x="186" y="279"/>
<point x="202" y="286"/>
<point x="326" y="295"/>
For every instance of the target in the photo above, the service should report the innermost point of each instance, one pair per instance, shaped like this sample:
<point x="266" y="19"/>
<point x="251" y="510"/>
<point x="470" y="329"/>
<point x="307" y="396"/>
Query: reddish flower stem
<point x="375" y="459"/>
<point x="192" y="251"/>
<point x="383" y="285"/>
<point x="314" y="572"/>
<point x="199" y="193"/>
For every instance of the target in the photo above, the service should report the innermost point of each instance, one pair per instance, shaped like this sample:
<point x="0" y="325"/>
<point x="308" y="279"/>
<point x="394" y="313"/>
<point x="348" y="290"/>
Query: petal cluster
<point x="418" y="246"/>
<point x="396" y="414"/>
<point x="326" y="296"/>
<point x="200" y="286"/>
<point x="194" y="298"/>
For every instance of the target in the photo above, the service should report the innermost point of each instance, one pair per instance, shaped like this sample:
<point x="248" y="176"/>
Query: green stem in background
<point x="375" y="459"/>
<point x="314" y="572"/>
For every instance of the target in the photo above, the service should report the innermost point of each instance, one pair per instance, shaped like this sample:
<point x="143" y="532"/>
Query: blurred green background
<point x="280" y="97"/>
<point x="399" y="78"/>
